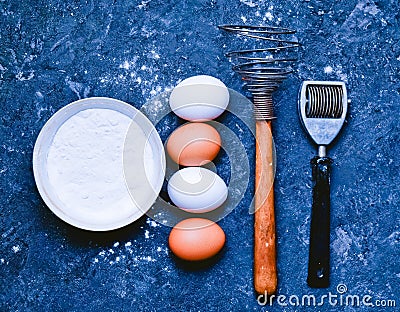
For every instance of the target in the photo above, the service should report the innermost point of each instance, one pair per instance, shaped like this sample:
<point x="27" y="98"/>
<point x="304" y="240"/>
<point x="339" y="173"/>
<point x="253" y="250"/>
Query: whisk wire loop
<point x="261" y="70"/>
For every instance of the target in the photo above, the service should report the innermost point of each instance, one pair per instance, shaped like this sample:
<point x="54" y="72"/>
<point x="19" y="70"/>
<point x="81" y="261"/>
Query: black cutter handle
<point x="318" y="261"/>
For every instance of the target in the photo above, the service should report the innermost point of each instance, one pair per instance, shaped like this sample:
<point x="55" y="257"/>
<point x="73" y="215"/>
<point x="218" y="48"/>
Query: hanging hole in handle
<point x="321" y="273"/>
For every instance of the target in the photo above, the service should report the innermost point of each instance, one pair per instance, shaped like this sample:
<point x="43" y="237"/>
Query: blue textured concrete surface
<point x="55" y="52"/>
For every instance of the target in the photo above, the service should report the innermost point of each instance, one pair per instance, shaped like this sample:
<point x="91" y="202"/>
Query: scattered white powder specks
<point x="336" y="70"/>
<point x="2" y="261"/>
<point x="149" y="259"/>
<point x="116" y="244"/>
<point x="328" y="70"/>
<point x="340" y="74"/>
<point x="243" y="18"/>
<point x="152" y="223"/>
<point x="22" y="77"/>
<point x="128" y="64"/>
<point x="16" y="249"/>
<point x="343" y="76"/>
<point x="249" y="3"/>
<point x="125" y="65"/>
<point x="342" y="244"/>
<point x="155" y="55"/>
<point x="143" y="4"/>
<point x="132" y="254"/>
<point x="269" y="16"/>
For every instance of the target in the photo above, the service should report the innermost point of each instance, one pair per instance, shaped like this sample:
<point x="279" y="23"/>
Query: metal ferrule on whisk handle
<point x="263" y="106"/>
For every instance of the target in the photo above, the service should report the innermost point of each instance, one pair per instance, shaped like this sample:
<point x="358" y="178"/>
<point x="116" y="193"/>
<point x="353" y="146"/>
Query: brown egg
<point x="196" y="239"/>
<point x="194" y="144"/>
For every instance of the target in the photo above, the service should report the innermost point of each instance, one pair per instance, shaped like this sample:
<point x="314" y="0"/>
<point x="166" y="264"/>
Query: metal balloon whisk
<point x="263" y="68"/>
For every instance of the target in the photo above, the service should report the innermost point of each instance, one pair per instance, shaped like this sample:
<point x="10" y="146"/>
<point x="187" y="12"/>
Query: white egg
<point x="197" y="190"/>
<point x="199" y="98"/>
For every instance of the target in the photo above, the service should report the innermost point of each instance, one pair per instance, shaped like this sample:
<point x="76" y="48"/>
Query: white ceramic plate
<point x="151" y="184"/>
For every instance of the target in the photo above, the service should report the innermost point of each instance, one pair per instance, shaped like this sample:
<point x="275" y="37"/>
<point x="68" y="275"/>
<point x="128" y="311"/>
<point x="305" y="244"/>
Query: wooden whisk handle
<point x="265" y="273"/>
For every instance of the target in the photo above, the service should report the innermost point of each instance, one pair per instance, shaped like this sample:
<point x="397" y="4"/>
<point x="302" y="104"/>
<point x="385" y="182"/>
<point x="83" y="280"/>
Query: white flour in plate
<point x="85" y="166"/>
